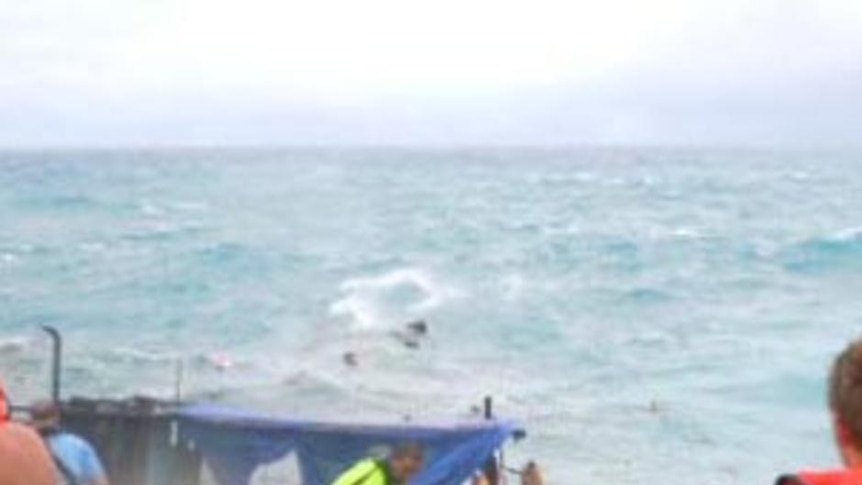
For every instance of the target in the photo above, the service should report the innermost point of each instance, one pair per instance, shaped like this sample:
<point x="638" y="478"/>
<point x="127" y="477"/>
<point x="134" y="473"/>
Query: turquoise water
<point x="647" y="314"/>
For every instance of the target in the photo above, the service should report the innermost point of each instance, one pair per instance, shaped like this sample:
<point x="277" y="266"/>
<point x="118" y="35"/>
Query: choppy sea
<point x="650" y="316"/>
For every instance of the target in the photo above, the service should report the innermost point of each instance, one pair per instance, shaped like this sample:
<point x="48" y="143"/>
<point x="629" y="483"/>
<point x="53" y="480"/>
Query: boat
<point x="144" y="441"/>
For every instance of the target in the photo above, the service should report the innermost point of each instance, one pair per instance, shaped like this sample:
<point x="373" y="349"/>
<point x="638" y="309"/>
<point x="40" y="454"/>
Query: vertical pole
<point x="179" y="377"/>
<point x="56" y="360"/>
<point x="492" y="468"/>
<point x="178" y="380"/>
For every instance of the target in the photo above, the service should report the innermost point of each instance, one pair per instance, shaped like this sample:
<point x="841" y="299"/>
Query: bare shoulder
<point x="24" y="460"/>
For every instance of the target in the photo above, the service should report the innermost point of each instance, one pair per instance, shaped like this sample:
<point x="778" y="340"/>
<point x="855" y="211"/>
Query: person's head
<point x="406" y="461"/>
<point x="845" y="402"/>
<point x="531" y="475"/>
<point x="45" y="415"/>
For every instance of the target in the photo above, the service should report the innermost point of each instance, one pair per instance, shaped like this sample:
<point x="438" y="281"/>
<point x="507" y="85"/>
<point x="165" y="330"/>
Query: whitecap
<point x="13" y="345"/>
<point x="386" y="299"/>
<point x="850" y="234"/>
<point x="148" y="208"/>
<point x="138" y="356"/>
<point x="685" y="233"/>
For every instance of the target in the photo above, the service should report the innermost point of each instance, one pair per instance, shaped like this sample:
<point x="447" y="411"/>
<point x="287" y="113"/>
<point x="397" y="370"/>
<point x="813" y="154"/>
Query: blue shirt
<point x="77" y="456"/>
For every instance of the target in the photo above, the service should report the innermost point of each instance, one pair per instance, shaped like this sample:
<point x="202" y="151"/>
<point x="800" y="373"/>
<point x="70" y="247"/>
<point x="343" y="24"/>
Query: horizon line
<point x="444" y="147"/>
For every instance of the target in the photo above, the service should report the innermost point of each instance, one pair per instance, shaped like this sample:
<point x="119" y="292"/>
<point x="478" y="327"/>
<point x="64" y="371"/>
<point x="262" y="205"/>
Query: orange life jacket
<point x="837" y="477"/>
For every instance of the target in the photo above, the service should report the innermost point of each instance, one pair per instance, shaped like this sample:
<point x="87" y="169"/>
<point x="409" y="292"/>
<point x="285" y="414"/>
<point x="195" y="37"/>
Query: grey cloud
<point x="785" y="73"/>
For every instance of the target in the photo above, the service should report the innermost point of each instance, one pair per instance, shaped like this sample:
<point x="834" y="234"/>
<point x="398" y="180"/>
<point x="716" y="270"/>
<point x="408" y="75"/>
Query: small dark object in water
<point x="419" y="327"/>
<point x="412" y="334"/>
<point x="406" y="339"/>
<point x="656" y="407"/>
<point x="350" y="359"/>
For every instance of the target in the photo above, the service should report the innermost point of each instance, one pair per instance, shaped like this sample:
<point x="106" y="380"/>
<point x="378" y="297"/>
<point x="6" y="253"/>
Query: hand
<point x="480" y="480"/>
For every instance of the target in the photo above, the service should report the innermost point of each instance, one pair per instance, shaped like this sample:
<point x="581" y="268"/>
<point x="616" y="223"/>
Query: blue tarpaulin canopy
<point x="235" y="444"/>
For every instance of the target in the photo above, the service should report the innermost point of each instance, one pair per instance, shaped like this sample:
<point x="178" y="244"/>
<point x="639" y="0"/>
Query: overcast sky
<point x="285" y="72"/>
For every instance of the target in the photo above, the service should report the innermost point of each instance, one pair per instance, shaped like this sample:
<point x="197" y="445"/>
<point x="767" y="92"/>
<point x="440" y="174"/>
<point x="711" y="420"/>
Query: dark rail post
<point x="56" y="360"/>
<point x="492" y="466"/>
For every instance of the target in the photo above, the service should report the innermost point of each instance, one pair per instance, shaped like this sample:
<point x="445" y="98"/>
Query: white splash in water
<point x="381" y="301"/>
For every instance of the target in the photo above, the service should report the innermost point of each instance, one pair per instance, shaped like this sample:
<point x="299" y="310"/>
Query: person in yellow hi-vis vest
<point x="405" y="462"/>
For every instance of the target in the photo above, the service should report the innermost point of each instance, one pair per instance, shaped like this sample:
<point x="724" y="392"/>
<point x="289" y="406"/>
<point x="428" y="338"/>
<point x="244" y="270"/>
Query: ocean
<point x="649" y="315"/>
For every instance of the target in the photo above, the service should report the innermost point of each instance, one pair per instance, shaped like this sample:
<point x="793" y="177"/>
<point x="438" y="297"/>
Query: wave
<point x="163" y="232"/>
<point x="65" y="201"/>
<point x="646" y="296"/>
<point x="14" y="345"/>
<point x="851" y="235"/>
<point x="150" y="208"/>
<point x="381" y="301"/>
<point x="838" y="251"/>
<point x="137" y="356"/>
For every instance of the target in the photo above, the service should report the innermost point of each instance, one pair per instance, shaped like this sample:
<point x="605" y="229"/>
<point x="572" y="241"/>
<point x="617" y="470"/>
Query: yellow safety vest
<point x="366" y="472"/>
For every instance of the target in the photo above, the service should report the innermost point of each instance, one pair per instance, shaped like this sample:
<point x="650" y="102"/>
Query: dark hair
<point x="44" y="410"/>
<point x="845" y="389"/>
<point x="408" y="450"/>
